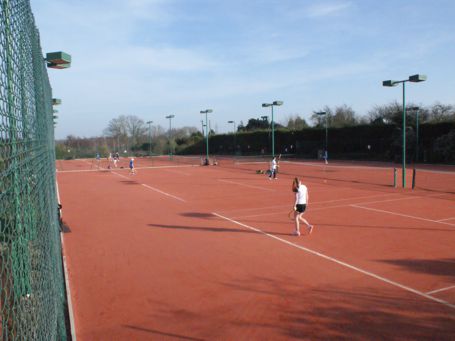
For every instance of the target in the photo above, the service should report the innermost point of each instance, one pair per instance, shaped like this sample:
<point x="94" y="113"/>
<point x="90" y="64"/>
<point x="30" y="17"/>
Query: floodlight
<point x="389" y="83"/>
<point x="417" y="78"/>
<point x="58" y="60"/>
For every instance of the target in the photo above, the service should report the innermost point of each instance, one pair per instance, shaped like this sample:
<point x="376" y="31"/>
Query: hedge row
<point x="362" y="142"/>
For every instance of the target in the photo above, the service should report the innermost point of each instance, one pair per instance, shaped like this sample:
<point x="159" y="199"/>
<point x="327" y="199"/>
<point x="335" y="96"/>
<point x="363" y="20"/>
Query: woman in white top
<point x="273" y="166"/>
<point x="301" y="201"/>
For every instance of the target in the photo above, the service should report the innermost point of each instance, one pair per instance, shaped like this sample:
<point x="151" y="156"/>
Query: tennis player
<point x="273" y="166"/>
<point x="301" y="202"/>
<point x="132" y="169"/>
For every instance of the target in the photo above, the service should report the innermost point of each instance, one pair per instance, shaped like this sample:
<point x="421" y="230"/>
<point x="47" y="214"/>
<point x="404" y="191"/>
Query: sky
<point x="153" y="58"/>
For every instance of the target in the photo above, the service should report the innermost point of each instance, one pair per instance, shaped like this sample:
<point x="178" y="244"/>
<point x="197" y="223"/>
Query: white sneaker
<point x="297" y="233"/>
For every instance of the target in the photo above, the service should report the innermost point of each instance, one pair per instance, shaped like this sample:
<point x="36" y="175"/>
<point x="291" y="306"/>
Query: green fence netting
<point x="32" y="291"/>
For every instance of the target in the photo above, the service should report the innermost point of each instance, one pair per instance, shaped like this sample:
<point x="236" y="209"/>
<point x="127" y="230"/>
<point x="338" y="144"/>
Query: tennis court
<point x="184" y="252"/>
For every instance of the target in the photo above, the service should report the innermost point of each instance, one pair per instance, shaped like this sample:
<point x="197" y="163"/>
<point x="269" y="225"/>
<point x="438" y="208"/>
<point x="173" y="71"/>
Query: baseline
<point x="344" y="264"/>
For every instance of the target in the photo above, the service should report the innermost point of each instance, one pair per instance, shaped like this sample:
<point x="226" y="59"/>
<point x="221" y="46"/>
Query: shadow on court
<point x="198" y="215"/>
<point x="213" y="229"/>
<point x="437" y="267"/>
<point x="357" y="313"/>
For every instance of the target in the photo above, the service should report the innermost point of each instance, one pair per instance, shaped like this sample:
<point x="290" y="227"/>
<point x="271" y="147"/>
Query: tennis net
<point x="336" y="172"/>
<point x="435" y="180"/>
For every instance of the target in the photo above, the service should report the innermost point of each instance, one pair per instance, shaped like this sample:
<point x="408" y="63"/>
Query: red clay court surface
<point x="181" y="252"/>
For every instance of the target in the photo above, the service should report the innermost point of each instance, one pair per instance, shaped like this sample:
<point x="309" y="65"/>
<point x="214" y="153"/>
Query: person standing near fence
<point x="300" y="204"/>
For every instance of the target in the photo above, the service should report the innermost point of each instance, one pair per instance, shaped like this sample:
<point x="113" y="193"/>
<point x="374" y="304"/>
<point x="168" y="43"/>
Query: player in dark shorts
<point x="301" y="201"/>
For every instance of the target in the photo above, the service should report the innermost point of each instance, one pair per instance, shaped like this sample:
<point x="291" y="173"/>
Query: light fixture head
<point x="58" y="60"/>
<point x="389" y="83"/>
<point x="417" y="78"/>
<point x="278" y="103"/>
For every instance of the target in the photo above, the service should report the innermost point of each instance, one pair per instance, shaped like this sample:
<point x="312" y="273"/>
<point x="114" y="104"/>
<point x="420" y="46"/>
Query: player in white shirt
<point x="301" y="201"/>
<point x="273" y="166"/>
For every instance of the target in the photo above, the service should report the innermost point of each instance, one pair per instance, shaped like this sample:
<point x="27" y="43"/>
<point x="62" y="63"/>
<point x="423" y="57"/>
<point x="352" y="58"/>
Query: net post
<point x="395" y="178"/>
<point x="413" y="178"/>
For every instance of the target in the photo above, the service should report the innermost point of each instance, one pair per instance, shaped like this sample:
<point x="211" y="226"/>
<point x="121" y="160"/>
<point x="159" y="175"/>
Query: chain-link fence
<point x="32" y="292"/>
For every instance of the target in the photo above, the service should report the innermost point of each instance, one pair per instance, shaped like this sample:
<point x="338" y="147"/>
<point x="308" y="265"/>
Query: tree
<point x="319" y="121"/>
<point x="296" y="123"/>
<point x="344" y="117"/>
<point x="136" y="128"/>
<point x="392" y="113"/>
<point x="441" y="112"/>
<point x="124" y="127"/>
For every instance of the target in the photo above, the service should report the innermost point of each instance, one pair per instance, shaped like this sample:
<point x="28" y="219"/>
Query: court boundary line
<point x="400" y="214"/>
<point x="120" y="169"/>
<point x="323" y="208"/>
<point x="440" y="290"/>
<point x="451" y="218"/>
<point x="339" y="262"/>
<point x="315" y="202"/>
<point x="152" y="188"/>
<point x="250" y="186"/>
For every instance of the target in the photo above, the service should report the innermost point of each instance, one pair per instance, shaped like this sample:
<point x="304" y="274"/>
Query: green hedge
<point x="384" y="141"/>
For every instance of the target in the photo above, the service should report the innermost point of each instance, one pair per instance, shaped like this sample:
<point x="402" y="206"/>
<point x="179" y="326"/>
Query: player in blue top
<point x="132" y="169"/>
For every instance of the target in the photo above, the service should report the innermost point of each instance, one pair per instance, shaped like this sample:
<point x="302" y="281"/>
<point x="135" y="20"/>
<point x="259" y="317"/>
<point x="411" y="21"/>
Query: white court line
<point x="451" y="218"/>
<point x="352" y="267"/>
<point x="120" y="169"/>
<point x="153" y="188"/>
<point x="245" y="185"/>
<point x="69" y="302"/>
<point x="439" y="290"/>
<point x="317" y="208"/>
<point x="401" y="215"/>
<point x="312" y="203"/>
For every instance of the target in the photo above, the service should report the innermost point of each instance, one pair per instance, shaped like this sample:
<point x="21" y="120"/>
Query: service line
<point x="400" y="214"/>
<point x="245" y="185"/>
<point x="153" y="188"/>
<point x="339" y="262"/>
<point x="439" y="290"/>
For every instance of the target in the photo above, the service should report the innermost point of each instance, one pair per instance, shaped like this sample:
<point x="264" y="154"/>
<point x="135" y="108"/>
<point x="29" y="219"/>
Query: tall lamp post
<point x="389" y="83"/>
<point x="150" y="137"/>
<point x="264" y="105"/>
<point x="235" y="134"/>
<point x="170" y="117"/>
<point x="326" y="146"/>
<point x="206" y="111"/>
<point x="416" y="109"/>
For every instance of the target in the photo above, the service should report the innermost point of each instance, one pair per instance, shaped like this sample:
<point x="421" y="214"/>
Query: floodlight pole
<point x="150" y="137"/>
<point x="414" y="79"/>
<point x="206" y="111"/>
<point x="417" y="135"/>
<point x="326" y="151"/>
<point x="264" y="105"/>
<point x="170" y="117"/>
<point x="235" y="134"/>
<point x="416" y="109"/>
